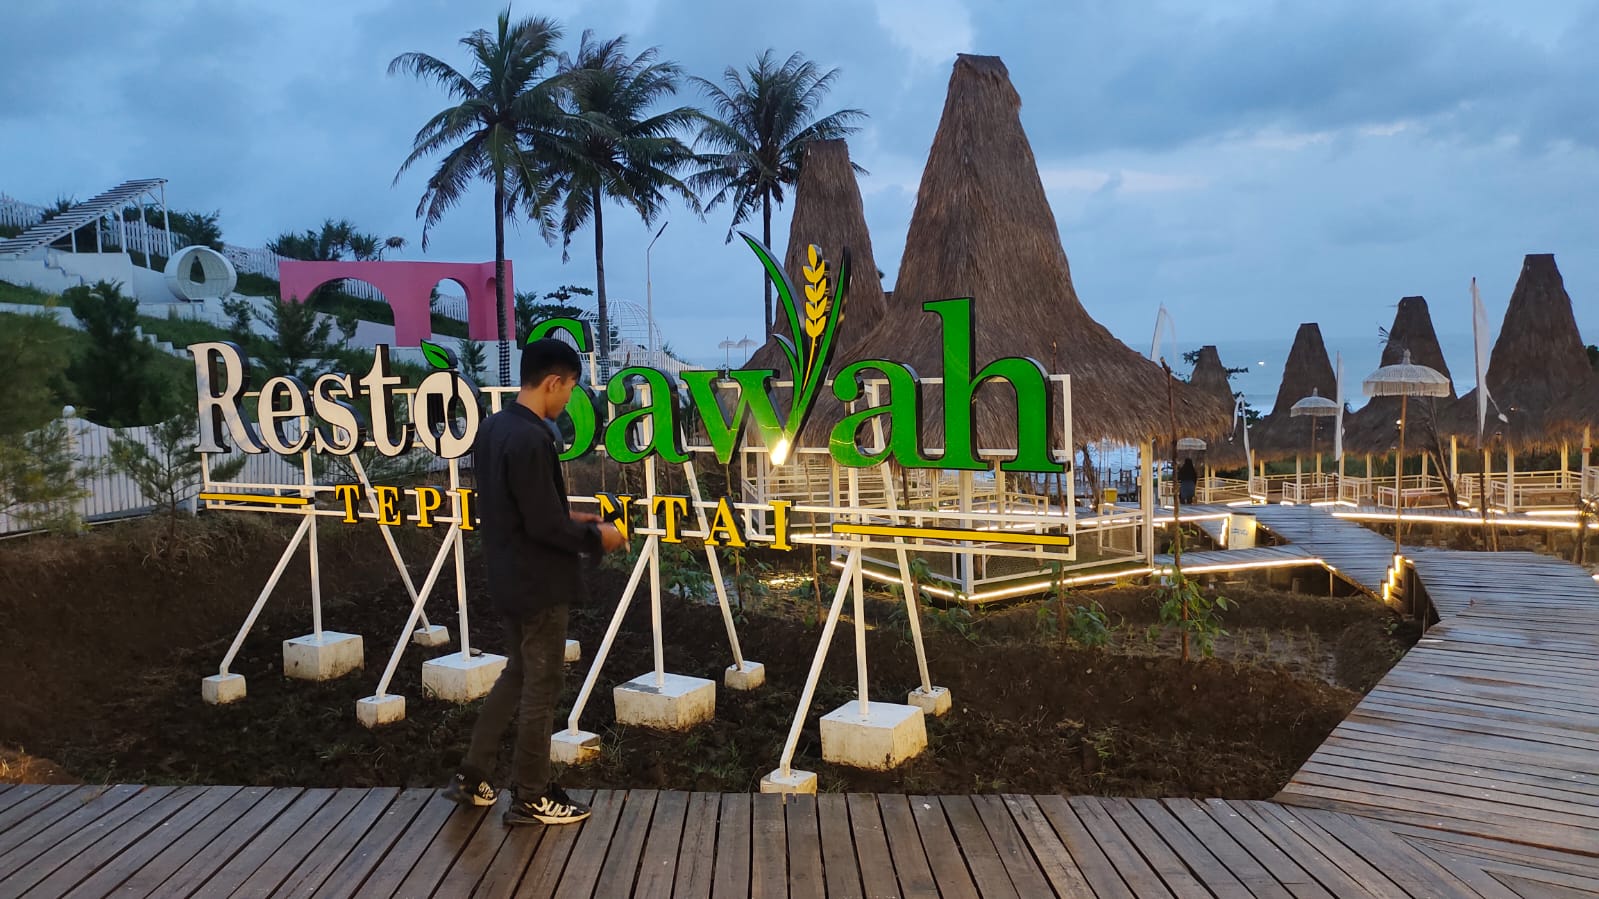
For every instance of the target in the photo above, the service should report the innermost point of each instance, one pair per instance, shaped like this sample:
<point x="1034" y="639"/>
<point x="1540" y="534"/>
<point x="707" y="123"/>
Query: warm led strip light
<point x="883" y="530"/>
<point x="256" y="498"/>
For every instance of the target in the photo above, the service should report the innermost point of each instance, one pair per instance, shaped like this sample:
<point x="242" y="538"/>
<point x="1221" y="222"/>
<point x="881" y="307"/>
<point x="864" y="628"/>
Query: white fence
<point x="112" y="494"/>
<point x="18" y="214"/>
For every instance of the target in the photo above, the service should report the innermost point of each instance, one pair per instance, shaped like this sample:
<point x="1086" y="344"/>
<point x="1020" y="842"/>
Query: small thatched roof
<point x="1224" y="446"/>
<point x="983" y="229"/>
<point x="1372" y="429"/>
<point x="1538" y="374"/>
<point x="1280" y="435"/>
<point x="828" y="213"/>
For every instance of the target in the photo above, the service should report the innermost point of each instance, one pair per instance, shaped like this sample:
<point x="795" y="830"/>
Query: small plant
<point x="1088" y="626"/>
<point x="1196" y="616"/>
<point x="167" y="469"/>
<point x="682" y="573"/>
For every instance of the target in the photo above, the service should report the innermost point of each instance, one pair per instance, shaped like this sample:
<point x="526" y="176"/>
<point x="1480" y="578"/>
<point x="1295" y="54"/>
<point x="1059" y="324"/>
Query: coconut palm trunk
<point x="604" y="337"/>
<point x="499" y="281"/>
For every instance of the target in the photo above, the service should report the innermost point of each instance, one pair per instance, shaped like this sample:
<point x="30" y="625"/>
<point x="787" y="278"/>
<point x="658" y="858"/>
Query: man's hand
<point x="611" y="538"/>
<point x="586" y="518"/>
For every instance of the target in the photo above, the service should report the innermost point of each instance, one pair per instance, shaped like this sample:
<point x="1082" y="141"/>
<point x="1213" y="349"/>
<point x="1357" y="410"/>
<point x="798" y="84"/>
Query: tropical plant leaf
<point x="437" y="356"/>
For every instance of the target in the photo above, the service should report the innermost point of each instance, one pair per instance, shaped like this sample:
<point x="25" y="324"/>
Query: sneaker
<point x="552" y="806"/>
<point x="464" y="792"/>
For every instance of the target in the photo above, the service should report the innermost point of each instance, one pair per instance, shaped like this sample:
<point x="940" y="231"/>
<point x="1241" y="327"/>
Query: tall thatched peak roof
<point x="1223" y="447"/>
<point x="1373" y="429"/>
<point x="1308" y="369"/>
<point x="1538" y="373"/>
<point x="828" y="213"/>
<point x="983" y="229"/>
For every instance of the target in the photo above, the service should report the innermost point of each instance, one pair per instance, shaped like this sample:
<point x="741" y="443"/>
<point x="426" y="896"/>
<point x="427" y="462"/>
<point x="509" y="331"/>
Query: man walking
<point x="533" y="544"/>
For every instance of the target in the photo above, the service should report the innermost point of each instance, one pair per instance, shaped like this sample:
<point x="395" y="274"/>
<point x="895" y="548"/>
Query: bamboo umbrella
<point x="1404" y="380"/>
<point x="1313" y="407"/>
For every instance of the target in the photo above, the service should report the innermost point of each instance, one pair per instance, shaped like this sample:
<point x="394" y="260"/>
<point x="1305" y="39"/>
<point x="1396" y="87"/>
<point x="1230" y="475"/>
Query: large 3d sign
<point x="444" y="415"/>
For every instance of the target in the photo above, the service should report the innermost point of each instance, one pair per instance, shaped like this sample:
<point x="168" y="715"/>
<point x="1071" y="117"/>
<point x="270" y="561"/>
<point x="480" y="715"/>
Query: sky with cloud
<point x="1251" y="165"/>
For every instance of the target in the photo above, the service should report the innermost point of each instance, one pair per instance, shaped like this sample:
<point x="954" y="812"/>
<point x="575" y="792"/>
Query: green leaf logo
<point x="813" y="329"/>
<point x="437" y="356"/>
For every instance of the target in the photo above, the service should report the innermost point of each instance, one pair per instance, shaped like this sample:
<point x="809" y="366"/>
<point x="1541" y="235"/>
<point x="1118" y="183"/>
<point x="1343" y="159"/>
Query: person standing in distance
<point x="534" y="544"/>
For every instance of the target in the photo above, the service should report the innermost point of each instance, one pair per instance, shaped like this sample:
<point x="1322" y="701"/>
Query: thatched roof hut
<point x="1373" y="428"/>
<point x="1538" y="375"/>
<point x="1224" y="447"/>
<point x="1280" y="435"/>
<point x="983" y="229"/>
<point x="828" y="213"/>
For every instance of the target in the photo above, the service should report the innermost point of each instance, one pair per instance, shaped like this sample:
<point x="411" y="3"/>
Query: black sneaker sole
<point x="464" y="798"/>
<point x="515" y="819"/>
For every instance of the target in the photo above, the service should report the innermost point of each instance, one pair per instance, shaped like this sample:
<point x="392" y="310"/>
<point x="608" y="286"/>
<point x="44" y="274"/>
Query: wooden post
<point x="1565" y="463"/>
<point x="1146" y="499"/>
<point x="1510" y="478"/>
<point x="1454" y="460"/>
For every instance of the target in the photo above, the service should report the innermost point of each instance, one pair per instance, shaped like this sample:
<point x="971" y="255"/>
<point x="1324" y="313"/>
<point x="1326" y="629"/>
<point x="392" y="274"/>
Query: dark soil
<point x="109" y="638"/>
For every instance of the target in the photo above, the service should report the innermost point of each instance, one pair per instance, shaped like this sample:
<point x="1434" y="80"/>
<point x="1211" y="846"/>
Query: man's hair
<point x="546" y="357"/>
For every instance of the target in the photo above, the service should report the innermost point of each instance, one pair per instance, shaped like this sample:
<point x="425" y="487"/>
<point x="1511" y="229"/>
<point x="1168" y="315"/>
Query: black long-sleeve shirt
<point x="533" y="547"/>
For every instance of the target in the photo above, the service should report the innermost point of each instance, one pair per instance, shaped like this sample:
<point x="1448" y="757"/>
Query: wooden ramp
<point x="1287" y="556"/>
<point x="1360" y="556"/>
<point x="222" y="841"/>
<point x="1484" y="739"/>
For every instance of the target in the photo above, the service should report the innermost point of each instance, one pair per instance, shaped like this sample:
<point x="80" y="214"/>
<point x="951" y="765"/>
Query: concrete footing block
<point x="323" y="658"/>
<point x="795" y="781"/>
<point x="574" y="651"/>
<point x="887" y="736"/>
<point x="457" y="678"/>
<point x="580" y="748"/>
<point x="679" y="703"/>
<point x="935" y="703"/>
<point x="431" y="636"/>
<point x="378" y="710"/>
<point x="752" y="675"/>
<point x="221" y="689"/>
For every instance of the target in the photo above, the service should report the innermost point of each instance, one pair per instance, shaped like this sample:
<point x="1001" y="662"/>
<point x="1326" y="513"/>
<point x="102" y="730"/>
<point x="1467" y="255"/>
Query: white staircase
<point x="87" y="212"/>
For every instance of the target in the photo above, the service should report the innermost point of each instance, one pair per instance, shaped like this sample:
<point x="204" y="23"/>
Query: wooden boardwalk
<point x="227" y="841"/>
<point x="1359" y="556"/>
<point x="1471" y="770"/>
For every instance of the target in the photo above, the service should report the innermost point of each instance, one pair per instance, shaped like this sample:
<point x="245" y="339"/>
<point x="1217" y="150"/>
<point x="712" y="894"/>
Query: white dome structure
<point x="219" y="277"/>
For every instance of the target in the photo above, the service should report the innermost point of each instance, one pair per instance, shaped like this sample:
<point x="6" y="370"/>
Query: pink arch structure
<point x="406" y="285"/>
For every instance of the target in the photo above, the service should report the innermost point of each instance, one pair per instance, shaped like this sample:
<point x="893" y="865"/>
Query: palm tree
<point x="758" y="136"/>
<point x="610" y="145"/>
<point x="506" y="96"/>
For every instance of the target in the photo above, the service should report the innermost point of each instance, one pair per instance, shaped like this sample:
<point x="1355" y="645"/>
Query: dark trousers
<point x="527" y="688"/>
<point x="1186" y="490"/>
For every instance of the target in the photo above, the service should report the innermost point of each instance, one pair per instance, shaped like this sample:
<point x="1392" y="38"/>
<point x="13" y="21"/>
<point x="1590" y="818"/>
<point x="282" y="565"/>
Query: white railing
<point x="252" y="260"/>
<point x="1533" y="489"/>
<point x="1590" y="481"/>
<point x="1311" y="488"/>
<point x="139" y="237"/>
<point x="112" y="494"/>
<point x="18" y="214"/>
<point x="1354" y="490"/>
<point x="1419" y="491"/>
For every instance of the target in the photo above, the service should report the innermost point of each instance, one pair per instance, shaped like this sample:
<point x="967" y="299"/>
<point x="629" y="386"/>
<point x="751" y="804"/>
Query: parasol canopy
<point x="1404" y="379"/>
<point x="1316" y="405"/>
<point x="1190" y="444"/>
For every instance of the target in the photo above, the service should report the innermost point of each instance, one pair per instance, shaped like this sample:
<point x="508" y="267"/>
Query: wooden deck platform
<point x="1360" y="556"/>
<point x="1288" y="556"/>
<point x="1471" y="770"/>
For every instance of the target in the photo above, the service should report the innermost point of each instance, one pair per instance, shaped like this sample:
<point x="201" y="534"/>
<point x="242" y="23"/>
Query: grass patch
<point x="181" y="332"/>
<point x="31" y="296"/>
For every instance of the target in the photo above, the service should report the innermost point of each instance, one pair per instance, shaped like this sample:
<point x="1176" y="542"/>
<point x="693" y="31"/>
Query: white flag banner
<point x="1479" y="337"/>
<point x="1338" y="432"/>
<point x="1163" y="324"/>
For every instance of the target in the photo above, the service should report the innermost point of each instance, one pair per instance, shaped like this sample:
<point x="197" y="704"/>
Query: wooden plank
<point x="38" y="812"/>
<point x="658" y="866"/>
<point x="372" y="849"/>
<point x="103" y="807"/>
<point x="95" y="847"/>
<point x="462" y="874"/>
<point x="138" y="858"/>
<point x="1479" y="880"/>
<point x="544" y="872"/>
<point x="15" y="793"/>
<point x="439" y="847"/>
<point x="1217" y="842"/>
<point x="588" y="853"/>
<point x="696" y="860"/>
<point x="418" y="837"/>
<point x="1053" y="857"/>
<point x="769" y="842"/>
<point x="943" y="853"/>
<point x="271" y="870"/>
<point x="1333" y="865"/>
<point x="505" y="871"/>
<point x="1096" y="866"/>
<point x="320" y="862"/>
<point x="1140" y="877"/>
<point x="627" y="844"/>
<point x="910" y="859"/>
<point x="805" y="877"/>
<point x="877" y="863"/>
<point x="839" y="868"/>
<point x="1025" y="874"/>
<point x="732" y="878"/>
<point x="1290" y="874"/>
<point x="982" y="858"/>
<point x="184" y="867"/>
<point x="1172" y="868"/>
<point x="1152" y="818"/>
<point x="1405" y="866"/>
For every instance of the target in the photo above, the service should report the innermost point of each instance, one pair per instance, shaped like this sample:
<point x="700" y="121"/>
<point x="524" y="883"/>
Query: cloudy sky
<point x="1250" y="164"/>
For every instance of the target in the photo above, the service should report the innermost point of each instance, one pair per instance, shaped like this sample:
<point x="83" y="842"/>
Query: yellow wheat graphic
<point x="816" y="302"/>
